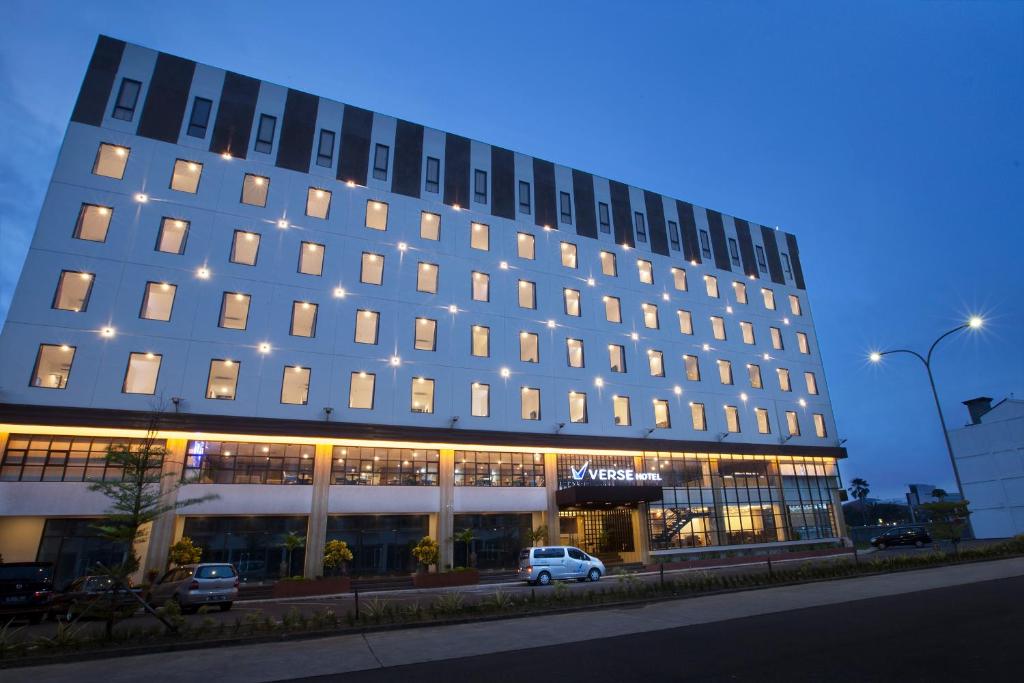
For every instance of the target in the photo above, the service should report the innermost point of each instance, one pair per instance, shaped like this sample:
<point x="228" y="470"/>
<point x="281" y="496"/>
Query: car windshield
<point x="25" y="573"/>
<point x="216" y="571"/>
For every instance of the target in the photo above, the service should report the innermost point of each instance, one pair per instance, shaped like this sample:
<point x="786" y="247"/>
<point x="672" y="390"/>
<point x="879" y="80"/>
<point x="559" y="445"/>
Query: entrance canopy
<point x="606" y="496"/>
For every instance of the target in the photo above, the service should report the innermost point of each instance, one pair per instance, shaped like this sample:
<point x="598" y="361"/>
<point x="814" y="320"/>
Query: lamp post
<point x="973" y="323"/>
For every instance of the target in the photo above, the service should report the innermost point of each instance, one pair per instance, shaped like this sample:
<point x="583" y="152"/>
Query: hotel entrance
<point x="608" y="534"/>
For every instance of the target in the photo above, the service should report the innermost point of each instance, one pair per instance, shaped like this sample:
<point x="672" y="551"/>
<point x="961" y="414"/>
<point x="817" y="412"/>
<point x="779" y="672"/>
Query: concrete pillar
<point x="641" y="534"/>
<point x="718" y="533"/>
<point x="551" y="487"/>
<point x="837" y="515"/>
<point x="163" y="532"/>
<point x="446" y="515"/>
<point x="316" y="525"/>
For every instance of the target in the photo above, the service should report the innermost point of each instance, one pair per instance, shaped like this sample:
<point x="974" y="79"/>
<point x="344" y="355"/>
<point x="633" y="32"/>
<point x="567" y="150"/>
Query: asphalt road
<point x="963" y="633"/>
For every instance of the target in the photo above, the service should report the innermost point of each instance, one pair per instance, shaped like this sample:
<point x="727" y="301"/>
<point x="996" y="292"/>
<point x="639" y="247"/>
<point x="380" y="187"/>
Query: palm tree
<point x="465" y="537"/>
<point x="859" y="489"/>
<point x="535" y="536"/>
<point x="291" y="542"/>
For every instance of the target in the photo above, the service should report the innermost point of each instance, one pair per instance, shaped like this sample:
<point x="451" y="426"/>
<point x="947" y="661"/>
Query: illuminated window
<point x="608" y="265"/>
<point x="222" y="380"/>
<point x="792" y="423"/>
<point x="254" y="189"/>
<point x="303" y="319"/>
<point x="612" y="309"/>
<point x="360" y="391"/>
<point x="529" y="403"/>
<point x="718" y="327"/>
<point x="482" y="286"/>
<point x="577" y="407"/>
<point x="656" y="363"/>
<point x="740" y="289"/>
<point x="812" y="383"/>
<point x="568" y="254"/>
<point x="784" y="383"/>
<point x="572" y="302"/>
<point x="376" y="215"/>
<point x="366" y="326"/>
<point x="245" y="247"/>
<point x="641" y="226"/>
<point x="692" y="368"/>
<point x="371" y="270"/>
<point x="52" y="367"/>
<point x="801" y="342"/>
<point x="754" y="374"/>
<point x="661" y="415"/>
<point x="679" y="279"/>
<point x="425" y="334"/>
<point x="732" y="419"/>
<point x="604" y="218"/>
<point x="186" y="176"/>
<point x="325" y="148"/>
<point x="422" y="395"/>
<point x="265" y="134"/>
<point x="311" y="259"/>
<point x="819" y="426"/>
<point x="73" y="290"/>
<point x="565" y="207"/>
<point x="295" y="385"/>
<point x="748" y="332"/>
<point x="527" y="294"/>
<point x="433" y="176"/>
<point x="526" y="246"/>
<point x="481" y="341"/>
<point x="524" y="197"/>
<point x="794" y="305"/>
<point x="127" y="98"/>
<point x="620" y="411"/>
<point x="529" y="347"/>
<point x="93" y="222"/>
<point x="318" y="202"/>
<point x="430" y="225"/>
<point x="479" y="186"/>
<point x="480" y="236"/>
<point x="381" y="155"/>
<point x="234" y="311"/>
<point x="711" y="284"/>
<point x="426" y="278"/>
<point x="480" y="400"/>
<point x="698" y="418"/>
<point x="645" y="271"/>
<point x="685" y="321"/>
<point x="172" y="236"/>
<point x="111" y="160"/>
<point x="574" y="349"/>
<point x="776" y="334"/>
<point x="157" y="301"/>
<point x="650" y="316"/>
<point x="142" y="372"/>
<point x="763" y="426"/>
<point x="616" y="358"/>
<point x="769" y="298"/>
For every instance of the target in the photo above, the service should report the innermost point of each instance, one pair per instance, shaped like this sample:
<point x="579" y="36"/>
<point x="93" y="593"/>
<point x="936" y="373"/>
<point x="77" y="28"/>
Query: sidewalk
<point x="339" y="654"/>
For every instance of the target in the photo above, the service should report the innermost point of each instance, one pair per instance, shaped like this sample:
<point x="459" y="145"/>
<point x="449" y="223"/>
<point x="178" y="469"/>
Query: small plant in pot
<point x="337" y="555"/>
<point x="426" y="553"/>
<point x="185" y="552"/>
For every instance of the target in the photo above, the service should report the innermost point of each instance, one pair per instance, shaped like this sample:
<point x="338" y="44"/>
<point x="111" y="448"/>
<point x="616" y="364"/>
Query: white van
<point x="546" y="564"/>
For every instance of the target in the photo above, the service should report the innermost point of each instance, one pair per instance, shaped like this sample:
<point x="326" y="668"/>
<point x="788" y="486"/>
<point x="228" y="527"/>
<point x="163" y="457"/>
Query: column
<point x="551" y="486"/>
<point x="316" y="525"/>
<point x="641" y="533"/>
<point x="446" y="515"/>
<point x="163" y="532"/>
<point x="837" y="515"/>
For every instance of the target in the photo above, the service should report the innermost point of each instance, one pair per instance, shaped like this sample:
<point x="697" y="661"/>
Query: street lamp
<point x="973" y="323"/>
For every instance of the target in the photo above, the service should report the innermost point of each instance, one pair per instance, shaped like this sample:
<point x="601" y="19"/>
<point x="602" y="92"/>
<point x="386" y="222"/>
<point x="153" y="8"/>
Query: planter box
<point x="324" y="586"/>
<point x="467" y="577"/>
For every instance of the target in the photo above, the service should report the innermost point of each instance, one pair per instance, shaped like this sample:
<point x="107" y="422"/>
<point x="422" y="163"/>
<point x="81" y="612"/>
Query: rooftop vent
<point x="977" y="407"/>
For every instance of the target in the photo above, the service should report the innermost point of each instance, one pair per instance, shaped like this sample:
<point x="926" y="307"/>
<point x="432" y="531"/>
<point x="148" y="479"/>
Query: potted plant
<point x="184" y="552"/>
<point x="337" y="555"/>
<point x="426" y="553"/>
<point x="465" y="537"/>
<point x="292" y="541"/>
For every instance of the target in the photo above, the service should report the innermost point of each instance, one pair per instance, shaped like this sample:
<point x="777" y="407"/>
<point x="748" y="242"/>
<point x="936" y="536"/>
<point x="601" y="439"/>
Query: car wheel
<point x="225" y="606"/>
<point x="594" y="575"/>
<point x="544" y="579"/>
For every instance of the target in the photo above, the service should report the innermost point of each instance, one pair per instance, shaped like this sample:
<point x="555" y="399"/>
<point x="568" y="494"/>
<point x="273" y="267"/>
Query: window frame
<point x="526" y="206"/>
<point x="299" y="305"/>
<point x="381" y="172"/>
<point x="262" y="144"/>
<point x="193" y="122"/>
<point x="145" y="356"/>
<point x="432" y="175"/>
<point x="325" y="160"/>
<point x="145" y="299"/>
<point x="120" y="108"/>
<point x="80" y="221"/>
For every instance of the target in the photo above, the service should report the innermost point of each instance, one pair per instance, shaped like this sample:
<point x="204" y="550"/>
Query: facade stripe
<point x="688" y="225"/>
<point x="545" y="210"/>
<point x="354" y="157"/>
<point x="235" y="113"/>
<point x="794" y="258"/>
<point x="98" y="82"/>
<point x="746" y="248"/>
<point x="583" y="198"/>
<point x="503" y="183"/>
<point x="771" y="247"/>
<point x="408" y="175"/>
<point x="166" y="98"/>
<point x="456" y="170"/>
<point x="718" y="243"/>
<point x="622" y="213"/>
<point x="296" y="144"/>
<point x="656" y="223"/>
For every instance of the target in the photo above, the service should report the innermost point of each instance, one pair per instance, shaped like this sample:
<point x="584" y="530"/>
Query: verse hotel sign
<point x="587" y="473"/>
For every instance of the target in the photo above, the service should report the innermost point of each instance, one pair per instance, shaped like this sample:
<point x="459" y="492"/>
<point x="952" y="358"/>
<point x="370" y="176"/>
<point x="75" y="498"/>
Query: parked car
<point x="550" y="563"/>
<point x="902" y="536"/>
<point x="91" y="596"/>
<point x="194" y="585"/>
<point x="25" y="590"/>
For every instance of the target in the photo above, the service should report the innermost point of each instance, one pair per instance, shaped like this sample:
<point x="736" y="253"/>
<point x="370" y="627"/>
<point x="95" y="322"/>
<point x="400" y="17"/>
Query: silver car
<point x="194" y="585"/>
<point x="549" y="563"/>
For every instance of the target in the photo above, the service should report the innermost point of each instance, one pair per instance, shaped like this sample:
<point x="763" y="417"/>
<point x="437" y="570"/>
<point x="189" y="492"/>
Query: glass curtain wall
<point x="380" y="544"/>
<point x="497" y="539"/>
<point x="254" y="544"/>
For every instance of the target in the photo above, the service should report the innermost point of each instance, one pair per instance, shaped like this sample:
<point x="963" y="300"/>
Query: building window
<point x="685" y="321"/>
<point x="698" y="418"/>
<point x="776" y="335"/>
<point x="725" y="371"/>
<point x="482" y="286"/>
<point x="679" y="279"/>
<point x="426" y="278"/>
<point x="673" y="236"/>
<point x="303" y="319"/>
<point x="325" y="148"/>
<point x="794" y="305"/>
<point x="225" y="462"/>
<point x="52" y="367"/>
<point x="73" y="290"/>
<point x="127" y="98"/>
<point x="641" y="226"/>
<point x="761" y="264"/>
<point x="527" y="294"/>
<point x="200" y="117"/>
<point x="380" y="162"/>
<point x="172" y="236"/>
<point x="732" y="419"/>
<point x="662" y="420"/>
<point x="604" y="218"/>
<point x="295" y="385"/>
<point x="711" y="285"/>
<point x="526" y="246"/>
<point x="608" y="265"/>
<point x="529" y="403"/>
<point x="318" y="203"/>
<point x="763" y="426"/>
<point x="430" y="225"/>
<point x="32" y="457"/>
<point x="311" y="259"/>
<point x="616" y="358"/>
<point x="529" y="347"/>
<point x="812" y="383"/>
<point x="656" y="363"/>
<point x="620" y="411"/>
<point x="376" y="215"/>
<point x="577" y="407"/>
<point x="801" y="343"/>
<point x="480" y="468"/>
<point x="360" y="391"/>
<point x="157" y="301"/>
<point x="422" y="395"/>
<point x="481" y="341"/>
<point x="480" y="400"/>
<point x="479" y="186"/>
<point x="718" y="327"/>
<point x="371" y="269"/>
<point x="480" y="236"/>
<point x="366" y="326"/>
<point x="754" y="374"/>
<point x="705" y="244"/>
<point x="650" y="316"/>
<point x="734" y="252"/>
<point x="748" y="332"/>
<point x="93" y="222"/>
<point x="612" y="309"/>
<point x="786" y="267"/>
<point x="524" y="197"/>
<point x="565" y="207"/>
<point x="692" y="365"/>
<point x="574" y="353"/>
<point x="792" y="423"/>
<point x="819" y="426"/>
<point x="354" y="465"/>
<point x="254" y="189"/>
<point x="645" y="271"/>
<point x="425" y="334"/>
<point x="568" y="254"/>
<point x="572" y="302"/>
<point x="784" y="383"/>
<point x="185" y="177"/>
<point x="222" y="380"/>
<point x="245" y="247"/>
<point x="433" y="177"/>
<point x="769" y="298"/>
<point x="234" y="311"/>
<point x="740" y="290"/>
<point x="111" y="160"/>
<point x="265" y="134"/>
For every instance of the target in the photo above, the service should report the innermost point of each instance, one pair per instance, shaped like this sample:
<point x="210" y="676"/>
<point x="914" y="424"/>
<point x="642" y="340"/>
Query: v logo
<point x="578" y="474"/>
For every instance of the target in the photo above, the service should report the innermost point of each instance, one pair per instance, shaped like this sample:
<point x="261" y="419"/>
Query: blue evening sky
<point x="889" y="137"/>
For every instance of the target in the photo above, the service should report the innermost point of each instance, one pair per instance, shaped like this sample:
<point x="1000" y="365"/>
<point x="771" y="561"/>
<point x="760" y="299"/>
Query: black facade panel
<point x="408" y="159"/>
<point x="746" y="247"/>
<point x="235" y="112"/>
<point x="297" y="130"/>
<point x="794" y="259"/>
<point x="622" y="213"/>
<point x="688" y="225"/>
<point x="771" y="248"/>
<point x="583" y="198"/>
<point x="545" y="210"/>
<point x="503" y="183"/>
<point x="354" y="156"/>
<point x="98" y="81"/>
<point x="456" y="170"/>
<point x="718" y="244"/>
<point x="167" y="98"/>
<point x="656" y="223"/>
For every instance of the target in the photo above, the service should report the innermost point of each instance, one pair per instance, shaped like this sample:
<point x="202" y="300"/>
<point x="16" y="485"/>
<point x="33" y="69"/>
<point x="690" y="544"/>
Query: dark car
<point x="25" y="590"/>
<point x="902" y="536"/>
<point x="94" y="596"/>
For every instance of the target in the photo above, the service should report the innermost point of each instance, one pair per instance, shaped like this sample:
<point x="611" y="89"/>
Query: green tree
<point x="859" y="489"/>
<point x="185" y="552"/>
<point x="948" y="520"/>
<point x="292" y="542"/>
<point x="466" y="538"/>
<point x="426" y="552"/>
<point x="538" y="536"/>
<point x="939" y="494"/>
<point x="337" y="555"/>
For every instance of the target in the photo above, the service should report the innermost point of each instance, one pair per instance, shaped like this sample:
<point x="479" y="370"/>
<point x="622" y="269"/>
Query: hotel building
<point x="354" y="326"/>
